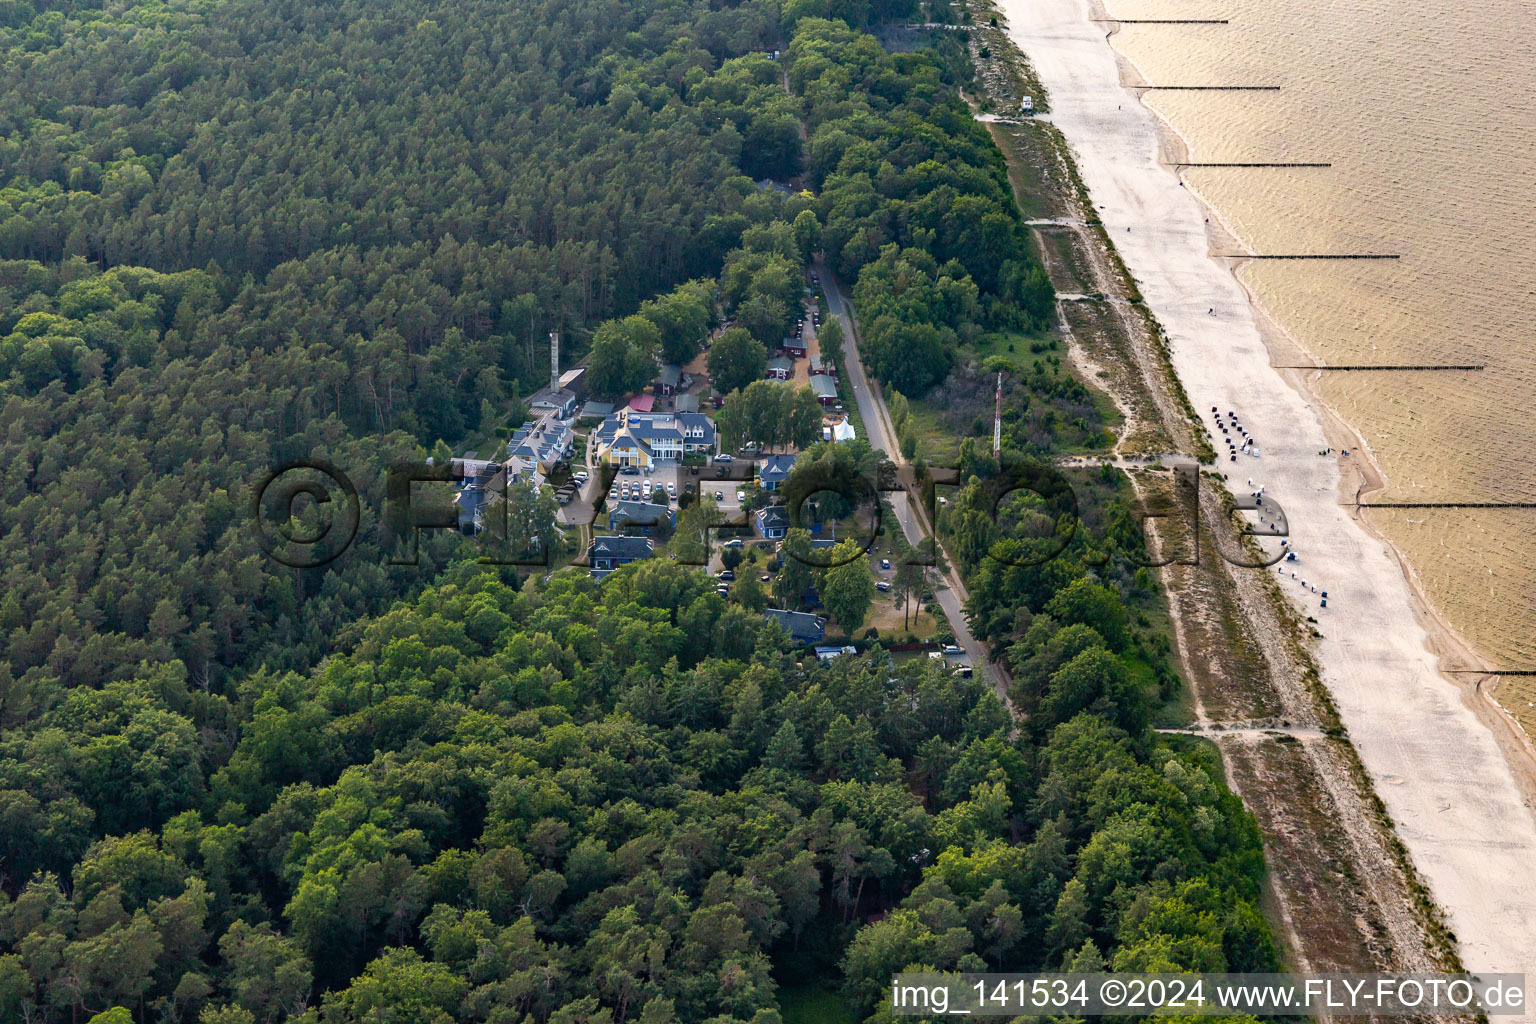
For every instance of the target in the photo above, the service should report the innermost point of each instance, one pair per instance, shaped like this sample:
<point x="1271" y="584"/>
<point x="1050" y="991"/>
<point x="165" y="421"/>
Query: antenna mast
<point x="997" y="421"/>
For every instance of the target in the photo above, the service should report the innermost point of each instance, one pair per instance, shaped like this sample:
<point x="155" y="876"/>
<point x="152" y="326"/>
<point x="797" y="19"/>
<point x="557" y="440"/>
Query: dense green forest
<point x="568" y="802"/>
<point x="238" y="232"/>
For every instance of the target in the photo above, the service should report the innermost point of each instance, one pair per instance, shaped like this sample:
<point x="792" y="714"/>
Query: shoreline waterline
<point x="1441" y="765"/>
<point x="1284" y="347"/>
<point x="1457" y="651"/>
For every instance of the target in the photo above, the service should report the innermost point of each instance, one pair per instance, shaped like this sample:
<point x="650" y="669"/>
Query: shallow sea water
<point x="1427" y="114"/>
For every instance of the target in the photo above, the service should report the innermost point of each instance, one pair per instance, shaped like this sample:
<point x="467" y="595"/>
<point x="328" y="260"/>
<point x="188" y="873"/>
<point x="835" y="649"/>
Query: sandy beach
<point x="1429" y="745"/>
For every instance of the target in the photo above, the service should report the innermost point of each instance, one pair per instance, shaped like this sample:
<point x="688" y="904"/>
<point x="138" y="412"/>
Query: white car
<point x="672" y="488"/>
<point x="580" y="477"/>
<point x="741" y="497"/>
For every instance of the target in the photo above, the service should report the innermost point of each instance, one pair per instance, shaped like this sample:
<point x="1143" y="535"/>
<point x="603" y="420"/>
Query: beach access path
<point x="1437" y="766"/>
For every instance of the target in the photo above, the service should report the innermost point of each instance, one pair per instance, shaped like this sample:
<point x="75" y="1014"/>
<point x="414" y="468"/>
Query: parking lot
<point x="682" y="479"/>
<point x="630" y="486"/>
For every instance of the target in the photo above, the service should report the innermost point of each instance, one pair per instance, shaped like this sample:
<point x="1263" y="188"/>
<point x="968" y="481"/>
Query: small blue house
<point x="639" y="515"/>
<point x="608" y="553"/>
<point x="773" y="470"/>
<point x="772" y="522"/>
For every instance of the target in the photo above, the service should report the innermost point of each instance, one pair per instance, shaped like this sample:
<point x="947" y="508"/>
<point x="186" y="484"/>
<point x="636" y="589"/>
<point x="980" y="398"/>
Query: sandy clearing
<point x="1437" y="766"/>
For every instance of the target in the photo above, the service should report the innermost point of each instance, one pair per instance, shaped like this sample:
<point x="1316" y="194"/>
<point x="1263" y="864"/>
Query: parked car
<point x="630" y="471"/>
<point x="719" y="496"/>
<point x="885" y="563"/>
<point x="741" y="497"/>
<point x="882" y="586"/>
<point x="727" y="575"/>
<point x="671" y="487"/>
<point x="765" y="578"/>
<point x="580" y="477"/>
<point x="954" y="650"/>
<point x="723" y="457"/>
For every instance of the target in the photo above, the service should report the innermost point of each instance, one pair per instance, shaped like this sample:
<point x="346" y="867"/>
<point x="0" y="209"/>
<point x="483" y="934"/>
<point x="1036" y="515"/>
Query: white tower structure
<point x="997" y="421"/>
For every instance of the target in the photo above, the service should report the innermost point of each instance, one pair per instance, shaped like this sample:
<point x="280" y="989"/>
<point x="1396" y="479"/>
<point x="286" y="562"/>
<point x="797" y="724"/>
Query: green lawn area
<point x="813" y="1004"/>
<point x="936" y="442"/>
<point x="1019" y="348"/>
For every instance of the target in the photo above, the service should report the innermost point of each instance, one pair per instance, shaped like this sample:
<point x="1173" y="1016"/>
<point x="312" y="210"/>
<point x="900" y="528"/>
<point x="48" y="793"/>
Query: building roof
<point x="775" y="467"/>
<point x="655" y="426"/>
<point x="823" y="387"/>
<point x="628" y="439"/>
<point x="670" y="375"/>
<point x="596" y="410"/>
<point x="469" y="468"/>
<point x="641" y="513"/>
<point x="643" y="403"/>
<point x="687" y="403"/>
<point x="543" y="440"/>
<point x="843" y="431"/>
<point x="782" y="363"/>
<point x="797" y="624"/>
<point x="816" y="363"/>
<point x="620" y="547"/>
<point x="545" y="398"/>
<point x="774" y="516"/>
<point x="574" y="380"/>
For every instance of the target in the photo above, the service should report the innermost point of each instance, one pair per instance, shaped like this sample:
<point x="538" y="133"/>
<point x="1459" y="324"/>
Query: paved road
<point x="950" y="591"/>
